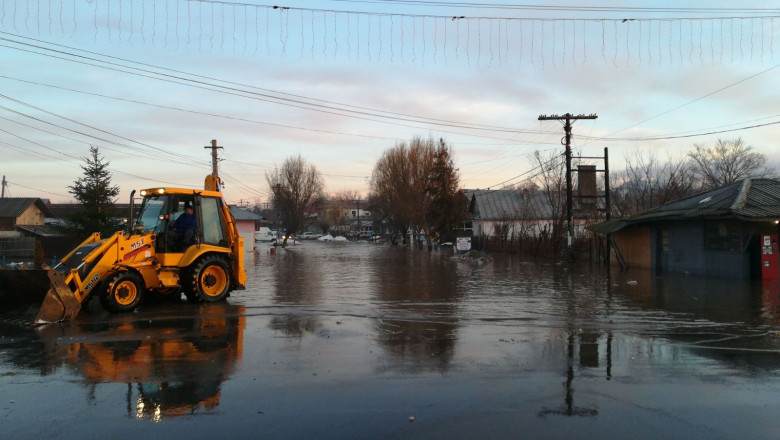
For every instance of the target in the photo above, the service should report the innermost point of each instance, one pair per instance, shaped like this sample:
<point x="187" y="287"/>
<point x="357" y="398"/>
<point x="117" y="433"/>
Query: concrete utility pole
<point x="567" y="118"/>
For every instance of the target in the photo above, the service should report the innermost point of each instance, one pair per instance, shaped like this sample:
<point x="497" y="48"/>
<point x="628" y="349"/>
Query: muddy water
<point x="345" y="340"/>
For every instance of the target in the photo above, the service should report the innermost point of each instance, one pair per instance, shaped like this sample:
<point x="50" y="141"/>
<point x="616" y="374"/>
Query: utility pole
<point x="357" y="203"/>
<point x="567" y="118"/>
<point x="214" y="159"/>
<point x="2" y="196"/>
<point x="213" y="182"/>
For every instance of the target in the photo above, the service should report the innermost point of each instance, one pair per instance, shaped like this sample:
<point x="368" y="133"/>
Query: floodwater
<point x="350" y="340"/>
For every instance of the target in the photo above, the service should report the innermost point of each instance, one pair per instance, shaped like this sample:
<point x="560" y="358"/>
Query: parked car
<point x="264" y="234"/>
<point x="310" y="236"/>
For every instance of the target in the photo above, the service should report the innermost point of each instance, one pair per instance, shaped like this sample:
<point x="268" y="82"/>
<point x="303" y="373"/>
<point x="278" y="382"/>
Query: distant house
<point x="517" y="210"/>
<point x="20" y="213"/>
<point x="246" y="223"/>
<point x="22" y="223"/>
<point x="533" y="213"/>
<point x="715" y="233"/>
<point x="520" y="212"/>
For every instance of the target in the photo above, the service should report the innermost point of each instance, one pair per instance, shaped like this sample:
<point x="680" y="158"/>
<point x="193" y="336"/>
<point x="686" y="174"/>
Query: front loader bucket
<point x="60" y="304"/>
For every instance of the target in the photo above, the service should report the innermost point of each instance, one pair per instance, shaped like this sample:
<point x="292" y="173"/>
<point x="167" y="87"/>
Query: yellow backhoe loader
<point x="151" y="258"/>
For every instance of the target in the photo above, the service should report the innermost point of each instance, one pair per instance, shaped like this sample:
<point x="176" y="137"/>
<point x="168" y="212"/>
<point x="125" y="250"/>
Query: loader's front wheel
<point x="208" y="280"/>
<point x="123" y="292"/>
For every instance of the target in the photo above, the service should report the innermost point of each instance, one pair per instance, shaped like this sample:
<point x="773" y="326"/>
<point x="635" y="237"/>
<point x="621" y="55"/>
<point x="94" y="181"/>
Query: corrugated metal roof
<point x="608" y="226"/>
<point x="763" y="199"/>
<point x="748" y="199"/>
<point x="502" y="204"/>
<point x="751" y="198"/>
<point x="243" y="214"/>
<point x="15" y="206"/>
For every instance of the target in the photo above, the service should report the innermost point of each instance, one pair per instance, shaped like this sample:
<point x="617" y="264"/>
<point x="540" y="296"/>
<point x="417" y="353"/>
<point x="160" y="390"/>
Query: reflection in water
<point x="573" y="342"/>
<point x="569" y="409"/>
<point x="172" y="366"/>
<point x="419" y="309"/>
<point x="418" y="303"/>
<point x="296" y="282"/>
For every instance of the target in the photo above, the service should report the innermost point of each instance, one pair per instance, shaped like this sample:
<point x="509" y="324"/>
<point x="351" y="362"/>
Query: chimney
<point x="586" y="187"/>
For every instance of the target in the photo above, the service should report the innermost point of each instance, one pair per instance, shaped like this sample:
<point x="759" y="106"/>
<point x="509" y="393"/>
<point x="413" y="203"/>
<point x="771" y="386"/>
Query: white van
<point x="264" y="234"/>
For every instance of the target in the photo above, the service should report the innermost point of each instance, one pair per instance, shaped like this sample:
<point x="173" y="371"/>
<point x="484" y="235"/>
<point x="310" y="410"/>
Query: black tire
<point x="208" y="280"/>
<point x="122" y="292"/>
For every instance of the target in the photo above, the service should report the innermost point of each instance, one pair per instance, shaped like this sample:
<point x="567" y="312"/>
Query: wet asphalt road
<point x="346" y="340"/>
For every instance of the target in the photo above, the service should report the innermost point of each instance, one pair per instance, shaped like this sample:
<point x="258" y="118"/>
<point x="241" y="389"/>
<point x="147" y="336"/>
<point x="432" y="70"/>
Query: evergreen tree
<point x="447" y="205"/>
<point x="96" y="195"/>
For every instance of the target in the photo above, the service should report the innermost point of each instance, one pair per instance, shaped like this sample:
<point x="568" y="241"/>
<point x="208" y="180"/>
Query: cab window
<point x="151" y="217"/>
<point x="213" y="232"/>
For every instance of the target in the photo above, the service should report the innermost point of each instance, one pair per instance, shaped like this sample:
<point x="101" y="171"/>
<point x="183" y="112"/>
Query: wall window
<point x="665" y="240"/>
<point x="723" y="235"/>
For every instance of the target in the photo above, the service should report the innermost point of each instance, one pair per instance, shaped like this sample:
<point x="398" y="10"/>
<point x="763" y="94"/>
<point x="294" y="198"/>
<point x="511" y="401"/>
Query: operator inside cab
<point x="184" y="228"/>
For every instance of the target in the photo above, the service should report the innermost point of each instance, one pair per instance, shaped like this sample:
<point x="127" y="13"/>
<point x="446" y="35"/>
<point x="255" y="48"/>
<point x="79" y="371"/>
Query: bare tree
<point x="524" y="225"/>
<point x="296" y="186"/>
<point x="647" y="182"/>
<point x="398" y="185"/>
<point x="727" y="162"/>
<point x="415" y="186"/>
<point x="552" y="181"/>
<point x="390" y="187"/>
<point x="503" y="227"/>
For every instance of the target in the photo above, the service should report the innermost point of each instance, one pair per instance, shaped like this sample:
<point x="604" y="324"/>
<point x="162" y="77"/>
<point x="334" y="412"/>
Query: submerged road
<point x="346" y="340"/>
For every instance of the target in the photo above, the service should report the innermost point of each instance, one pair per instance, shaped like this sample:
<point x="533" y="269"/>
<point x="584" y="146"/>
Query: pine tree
<point x="96" y="195"/>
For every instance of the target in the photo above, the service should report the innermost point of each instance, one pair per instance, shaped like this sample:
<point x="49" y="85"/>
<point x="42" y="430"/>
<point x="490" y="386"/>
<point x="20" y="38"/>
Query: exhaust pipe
<point x="130" y="217"/>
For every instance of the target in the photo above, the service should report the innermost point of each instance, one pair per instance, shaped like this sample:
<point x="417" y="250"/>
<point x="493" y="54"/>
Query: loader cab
<point x="160" y="210"/>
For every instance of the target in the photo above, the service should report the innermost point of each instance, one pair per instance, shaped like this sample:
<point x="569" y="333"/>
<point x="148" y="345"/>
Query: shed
<point x="245" y="222"/>
<point x="21" y="211"/>
<point x="714" y="233"/>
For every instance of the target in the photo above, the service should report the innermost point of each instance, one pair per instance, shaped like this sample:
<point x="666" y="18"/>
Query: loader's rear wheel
<point x="123" y="292"/>
<point x="208" y="280"/>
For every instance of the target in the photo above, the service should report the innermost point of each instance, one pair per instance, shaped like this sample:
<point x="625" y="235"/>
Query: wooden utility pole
<point x="213" y="182"/>
<point x="567" y="118"/>
<point x="3" y="188"/>
<point x="214" y="158"/>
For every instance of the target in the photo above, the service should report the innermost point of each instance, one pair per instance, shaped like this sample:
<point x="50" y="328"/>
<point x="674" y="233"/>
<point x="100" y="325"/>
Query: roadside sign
<point x="463" y="244"/>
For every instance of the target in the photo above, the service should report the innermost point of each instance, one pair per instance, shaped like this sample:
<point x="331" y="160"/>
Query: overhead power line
<point x="564" y="8"/>
<point x="239" y="89"/>
<point x="40" y="190"/>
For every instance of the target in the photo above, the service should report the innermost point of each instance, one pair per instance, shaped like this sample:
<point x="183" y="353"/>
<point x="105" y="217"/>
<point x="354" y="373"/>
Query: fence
<point x="15" y="250"/>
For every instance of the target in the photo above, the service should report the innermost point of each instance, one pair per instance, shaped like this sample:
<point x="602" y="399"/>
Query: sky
<point x="339" y="82"/>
